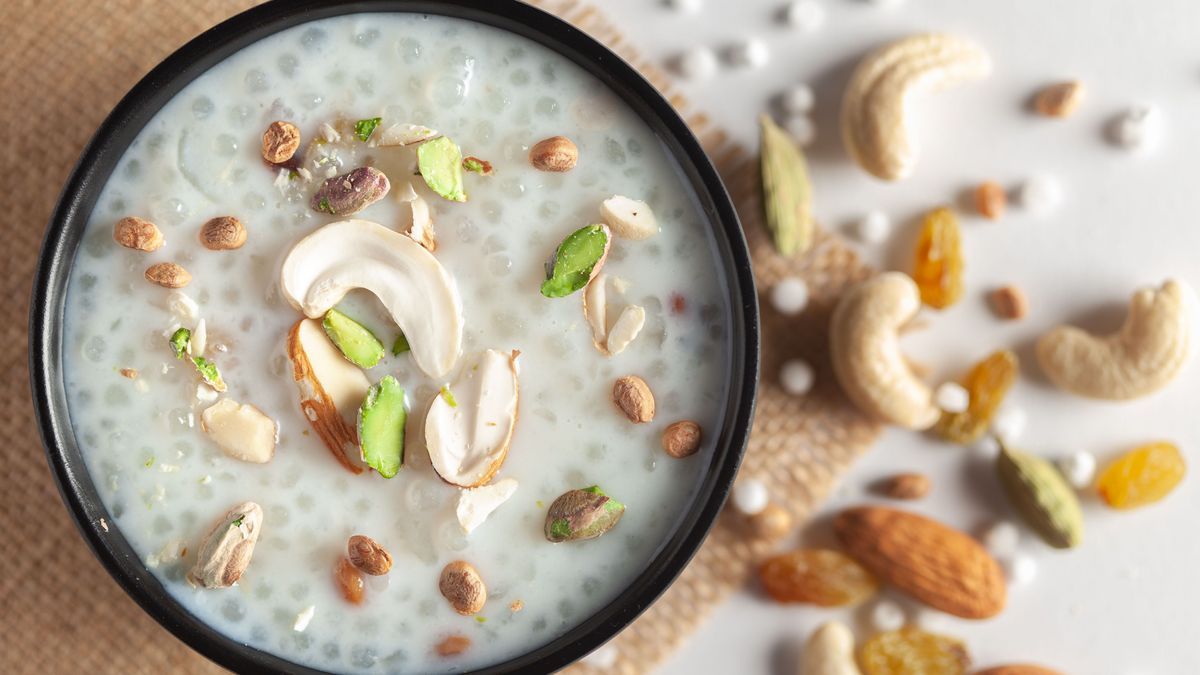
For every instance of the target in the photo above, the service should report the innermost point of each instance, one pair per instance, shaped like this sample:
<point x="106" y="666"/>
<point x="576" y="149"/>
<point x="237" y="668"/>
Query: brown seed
<point x="453" y="645"/>
<point x="633" y="396"/>
<point x="138" y="234"/>
<point x="349" y="581"/>
<point x="990" y="200"/>
<point x="773" y="522"/>
<point x="516" y="606"/>
<point x="280" y="142"/>
<point x="168" y="275"/>
<point x="1009" y="302"/>
<point x="557" y="154"/>
<point x="131" y="373"/>
<point x="367" y="555"/>
<point x="1059" y="100"/>
<point x="463" y="587"/>
<point x="906" y="486"/>
<point x="681" y="439"/>
<point x="223" y="234"/>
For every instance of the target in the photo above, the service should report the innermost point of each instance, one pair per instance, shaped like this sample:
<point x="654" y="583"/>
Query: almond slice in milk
<point x="331" y="390"/>
<point x="476" y="504"/>
<point x="610" y="340"/>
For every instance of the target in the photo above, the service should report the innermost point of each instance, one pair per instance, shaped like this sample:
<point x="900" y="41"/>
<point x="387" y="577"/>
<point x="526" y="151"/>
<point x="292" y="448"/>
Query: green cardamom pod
<point x="1043" y="498"/>
<point x="786" y="190"/>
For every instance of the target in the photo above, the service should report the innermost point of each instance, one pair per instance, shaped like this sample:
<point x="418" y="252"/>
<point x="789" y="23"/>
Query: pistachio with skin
<point x="351" y="192"/>
<point x="461" y="584"/>
<point x="582" y="514"/>
<point x="368" y="556"/>
<point x="228" y="547"/>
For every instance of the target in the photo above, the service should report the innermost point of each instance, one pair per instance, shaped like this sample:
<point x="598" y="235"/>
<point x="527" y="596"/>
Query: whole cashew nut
<point x="865" y="347"/>
<point x="874" y="116"/>
<point x="1142" y="357"/>
<point x="829" y="651"/>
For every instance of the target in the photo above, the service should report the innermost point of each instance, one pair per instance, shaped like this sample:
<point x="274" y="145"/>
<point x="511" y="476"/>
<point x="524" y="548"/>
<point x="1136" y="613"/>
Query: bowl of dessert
<point x="394" y="336"/>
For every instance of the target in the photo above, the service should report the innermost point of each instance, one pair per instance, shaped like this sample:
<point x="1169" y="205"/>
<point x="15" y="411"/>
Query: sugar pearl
<point x="1020" y="569"/>
<point x="603" y="658"/>
<point x="751" y="53"/>
<point x="1137" y="127"/>
<point x="797" y="100"/>
<point x="1009" y="424"/>
<point x="805" y="15"/>
<point x="789" y="296"/>
<point x="873" y="228"/>
<point x="1079" y="468"/>
<point x="1039" y="194"/>
<point x="887" y="616"/>
<point x="952" y="397"/>
<point x="697" y="63"/>
<point x="1001" y="538"/>
<point x="685" y="6"/>
<point x="802" y="129"/>
<point x="796" y="376"/>
<point x="750" y="496"/>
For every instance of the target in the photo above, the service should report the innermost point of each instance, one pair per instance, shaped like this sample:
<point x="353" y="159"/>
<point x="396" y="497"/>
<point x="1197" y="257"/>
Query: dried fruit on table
<point x="1042" y="496"/>
<point x="909" y="650"/>
<point x="817" y="576"/>
<point x="786" y="190"/>
<point x="939" y="264"/>
<point x="1142" y="476"/>
<point x="987" y="383"/>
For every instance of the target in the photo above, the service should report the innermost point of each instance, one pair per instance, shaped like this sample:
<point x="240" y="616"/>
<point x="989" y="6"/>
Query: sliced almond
<point x="331" y="389"/>
<point x="595" y="310"/>
<point x="418" y="292"/>
<point x="629" y="218"/>
<point x="468" y="441"/>
<point x="416" y="222"/>
<point x="405" y="134"/>
<point x="476" y="504"/>
<point x="240" y="430"/>
<point x="626" y="328"/>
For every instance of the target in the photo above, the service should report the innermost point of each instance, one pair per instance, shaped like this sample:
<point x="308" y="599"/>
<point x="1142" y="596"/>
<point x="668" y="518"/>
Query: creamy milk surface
<point x="166" y="483"/>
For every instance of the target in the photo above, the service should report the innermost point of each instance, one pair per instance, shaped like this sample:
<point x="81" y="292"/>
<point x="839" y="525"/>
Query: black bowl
<point x="66" y="229"/>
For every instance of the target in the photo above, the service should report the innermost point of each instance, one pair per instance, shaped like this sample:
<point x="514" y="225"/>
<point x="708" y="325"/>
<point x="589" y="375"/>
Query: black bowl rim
<point x="99" y="159"/>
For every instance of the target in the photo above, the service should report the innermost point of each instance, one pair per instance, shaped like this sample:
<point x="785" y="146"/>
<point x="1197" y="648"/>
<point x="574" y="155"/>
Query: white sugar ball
<point x="1001" y="538"/>
<point x="805" y="15"/>
<point x="1138" y="127"/>
<point x="750" y="496"/>
<point x="1039" y="194"/>
<point x="802" y="129"/>
<point x="1079" y="468"/>
<point x="1009" y="424"/>
<point x="952" y="397"/>
<point x="604" y="658"/>
<point x="887" y="616"/>
<point x="1020" y="569"/>
<point x="873" y="228"/>
<point x="789" y="296"/>
<point x="685" y="6"/>
<point x="797" y="377"/>
<point x="797" y="100"/>
<point x="749" y="53"/>
<point x="987" y="447"/>
<point x="697" y="63"/>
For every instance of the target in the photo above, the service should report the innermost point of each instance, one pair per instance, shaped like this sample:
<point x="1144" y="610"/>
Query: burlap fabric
<point x="64" y="64"/>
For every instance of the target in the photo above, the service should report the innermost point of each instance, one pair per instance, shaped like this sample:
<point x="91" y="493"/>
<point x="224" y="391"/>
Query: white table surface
<point x="1126" y="600"/>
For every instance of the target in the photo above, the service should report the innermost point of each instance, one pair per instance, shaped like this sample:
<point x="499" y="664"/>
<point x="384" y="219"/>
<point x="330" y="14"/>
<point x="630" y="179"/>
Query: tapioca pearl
<point x="797" y="100"/>
<point x="546" y="107"/>
<point x="887" y="615"/>
<point x="1020" y="568"/>
<point x="1138" y="127"/>
<point x="1009" y="423"/>
<point x="313" y="39"/>
<point x="750" y="496"/>
<point x="1001" y="538"/>
<point x="409" y="50"/>
<point x="203" y="108"/>
<point x="1079" y="468"/>
<point x="697" y="63"/>
<point x="366" y="38"/>
<point x="256" y="81"/>
<point x="873" y="228"/>
<point x="797" y="377"/>
<point x="805" y="15"/>
<point x="789" y="295"/>
<point x="287" y="64"/>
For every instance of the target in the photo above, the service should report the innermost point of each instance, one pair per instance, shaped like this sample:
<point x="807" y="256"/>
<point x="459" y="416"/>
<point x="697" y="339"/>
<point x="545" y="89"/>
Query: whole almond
<point x="556" y="154"/>
<point x="280" y="142"/>
<point x="681" y="439"/>
<point x="633" y="396"/>
<point x="906" y="486"/>
<point x="935" y="564"/>
<point x="367" y="555"/>
<point x="349" y="581"/>
<point x="1059" y="100"/>
<point x="138" y="234"/>
<point x="224" y="233"/>
<point x="463" y="587"/>
<point x="1018" y="669"/>
<point x="168" y="275"/>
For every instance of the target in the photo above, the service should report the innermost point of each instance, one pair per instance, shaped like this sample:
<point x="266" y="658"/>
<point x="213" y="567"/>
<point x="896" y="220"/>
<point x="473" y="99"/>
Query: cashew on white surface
<point x="865" y="348"/>
<point x="1146" y="353"/>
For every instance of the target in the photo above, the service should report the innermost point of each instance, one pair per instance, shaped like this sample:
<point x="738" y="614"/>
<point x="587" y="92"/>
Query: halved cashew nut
<point x="865" y="346"/>
<point x="1142" y="357"/>
<point x="875" y="125"/>
<point x="829" y="651"/>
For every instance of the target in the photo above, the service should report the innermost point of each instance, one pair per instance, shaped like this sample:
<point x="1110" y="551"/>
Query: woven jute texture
<point x="63" y="65"/>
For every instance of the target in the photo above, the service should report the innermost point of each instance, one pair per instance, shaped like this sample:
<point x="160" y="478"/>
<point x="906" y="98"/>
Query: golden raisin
<point x="349" y="581"/>
<point x="1142" y="476"/>
<point x="939" y="263"/>
<point x="817" y="576"/>
<point x="909" y="650"/>
<point x="990" y="200"/>
<point x="987" y="383"/>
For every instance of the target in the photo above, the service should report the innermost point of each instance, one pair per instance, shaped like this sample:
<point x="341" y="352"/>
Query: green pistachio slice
<point x="356" y="342"/>
<point x="364" y="128"/>
<point x="381" y="427"/>
<point x="179" y="342"/>
<point x="208" y="371"/>
<point x="401" y="345"/>
<point x="578" y="258"/>
<point x="440" y="164"/>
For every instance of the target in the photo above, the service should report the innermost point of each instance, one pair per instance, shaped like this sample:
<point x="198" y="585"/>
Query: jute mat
<point x="64" y="64"/>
